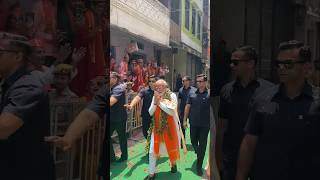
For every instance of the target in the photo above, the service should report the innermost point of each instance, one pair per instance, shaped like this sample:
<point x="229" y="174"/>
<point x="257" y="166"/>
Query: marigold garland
<point x="163" y="122"/>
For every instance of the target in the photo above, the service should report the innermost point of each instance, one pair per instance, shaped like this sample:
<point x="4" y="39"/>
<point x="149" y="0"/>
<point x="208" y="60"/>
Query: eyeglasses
<point x="237" y="61"/>
<point x="287" y="64"/>
<point x="152" y="81"/>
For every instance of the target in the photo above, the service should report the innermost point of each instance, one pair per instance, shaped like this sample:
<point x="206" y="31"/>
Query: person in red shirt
<point x="137" y="73"/>
<point x="89" y="34"/>
<point x="45" y="23"/>
<point x="123" y="68"/>
<point x="112" y="64"/>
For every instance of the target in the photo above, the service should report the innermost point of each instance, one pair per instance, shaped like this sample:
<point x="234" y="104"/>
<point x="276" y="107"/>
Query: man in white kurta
<point x="165" y="139"/>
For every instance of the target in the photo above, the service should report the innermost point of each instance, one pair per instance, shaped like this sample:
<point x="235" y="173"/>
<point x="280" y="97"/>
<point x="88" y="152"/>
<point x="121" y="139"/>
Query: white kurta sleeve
<point x="169" y="106"/>
<point x="152" y="107"/>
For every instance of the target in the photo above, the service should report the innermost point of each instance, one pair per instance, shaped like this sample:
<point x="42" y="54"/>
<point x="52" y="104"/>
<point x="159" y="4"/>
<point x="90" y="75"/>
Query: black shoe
<point x="150" y="178"/>
<point x="174" y="169"/>
<point x="199" y="171"/>
<point x="122" y="159"/>
<point x="195" y="151"/>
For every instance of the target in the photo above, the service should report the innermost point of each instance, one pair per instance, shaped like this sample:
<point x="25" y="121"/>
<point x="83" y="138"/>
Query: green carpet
<point x="137" y="168"/>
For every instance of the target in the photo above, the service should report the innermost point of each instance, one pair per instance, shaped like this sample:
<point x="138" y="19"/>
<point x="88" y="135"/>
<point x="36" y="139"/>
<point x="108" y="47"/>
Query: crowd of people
<point x="51" y="51"/>
<point x="136" y="71"/>
<point x="164" y="119"/>
<point x="25" y="113"/>
<point x="74" y="35"/>
<point x="266" y="130"/>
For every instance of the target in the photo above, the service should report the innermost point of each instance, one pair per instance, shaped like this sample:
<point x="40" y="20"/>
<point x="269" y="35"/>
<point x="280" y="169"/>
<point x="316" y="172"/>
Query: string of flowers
<point x="163" y="122"/>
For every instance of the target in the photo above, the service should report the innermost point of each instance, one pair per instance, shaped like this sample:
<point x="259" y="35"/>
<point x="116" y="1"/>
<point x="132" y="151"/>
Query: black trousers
<point x="120" y="127"/>
<point x="17" y="168"/>
<point x="23" y="175"/>
<point x="229" y="165"/>
<point x="102" y="169"/>
<point x="145" y="126"/>
<point x="230" y="160"/>
<point x="199" y="137"/>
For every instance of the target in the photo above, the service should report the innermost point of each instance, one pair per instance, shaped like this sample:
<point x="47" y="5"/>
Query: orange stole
<point x="172" y="143"/>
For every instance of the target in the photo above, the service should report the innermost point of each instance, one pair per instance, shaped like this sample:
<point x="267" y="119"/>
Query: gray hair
<point x="162" y="82"/>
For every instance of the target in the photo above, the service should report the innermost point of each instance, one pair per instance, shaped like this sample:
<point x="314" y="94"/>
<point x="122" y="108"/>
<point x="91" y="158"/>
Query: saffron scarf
<point x="164" y="130"/>
<point x="169" y="136"/>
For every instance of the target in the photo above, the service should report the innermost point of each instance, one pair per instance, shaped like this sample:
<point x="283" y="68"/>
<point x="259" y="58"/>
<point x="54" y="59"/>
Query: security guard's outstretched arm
<point x="79" y="126"/>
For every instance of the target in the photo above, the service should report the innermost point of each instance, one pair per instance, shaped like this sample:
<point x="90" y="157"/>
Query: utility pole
<point x="172" y="77"/>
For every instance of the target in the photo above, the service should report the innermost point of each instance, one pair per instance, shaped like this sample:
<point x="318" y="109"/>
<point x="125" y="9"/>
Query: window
<point x="187" y="7"/>
<point x="205" y="7"/>
<point x="199" y="26"/>
<point x="193" y="21"/>
<point x="175" y="11"/>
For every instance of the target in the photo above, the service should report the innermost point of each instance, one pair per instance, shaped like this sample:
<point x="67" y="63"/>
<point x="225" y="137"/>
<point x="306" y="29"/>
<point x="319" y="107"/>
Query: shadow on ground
<point x="190" y="147"/>
<point x="143" y="160"/>
<point x="168" y="175"/>
<point x="117" y="168"/>
<point x="193" y="167"/>
<point x="136" y="168"/>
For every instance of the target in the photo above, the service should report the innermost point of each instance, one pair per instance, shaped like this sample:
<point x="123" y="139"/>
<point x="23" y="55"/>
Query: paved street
<point x="137" y="168"/>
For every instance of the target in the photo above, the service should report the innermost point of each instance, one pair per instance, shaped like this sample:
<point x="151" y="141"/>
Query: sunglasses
<point x="287" y="64"/>
<point x="237" y="61"/>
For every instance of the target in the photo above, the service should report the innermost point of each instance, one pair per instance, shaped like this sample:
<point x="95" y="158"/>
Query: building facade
<point x="145" y="22"/>
<point x="264" y="24"/>
<point x="174" y="32"/>
<point x="186" y="37"/>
